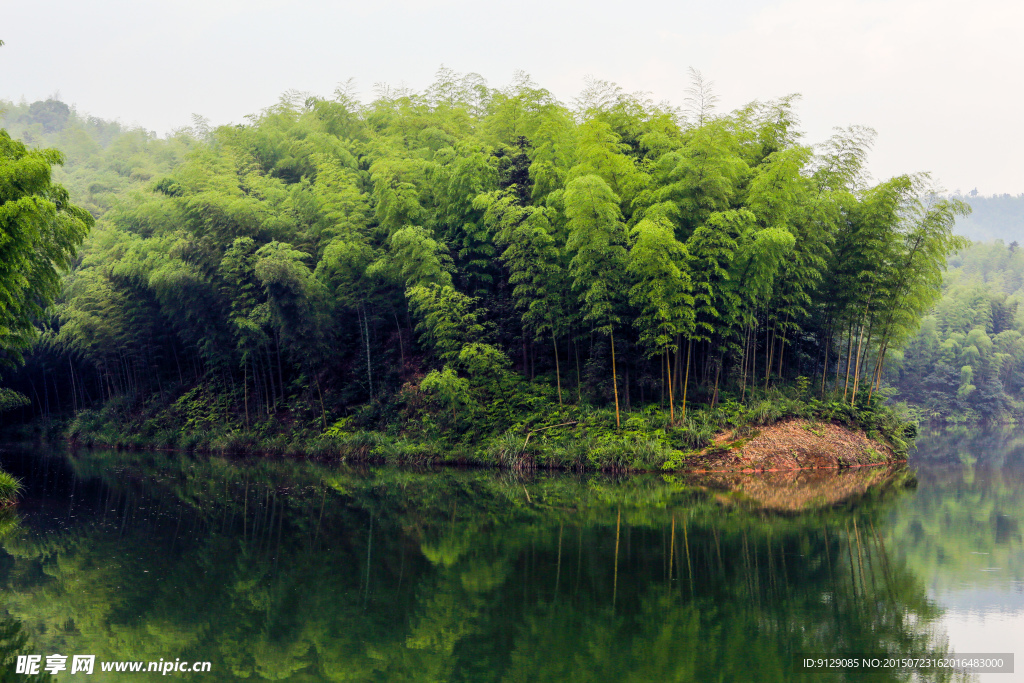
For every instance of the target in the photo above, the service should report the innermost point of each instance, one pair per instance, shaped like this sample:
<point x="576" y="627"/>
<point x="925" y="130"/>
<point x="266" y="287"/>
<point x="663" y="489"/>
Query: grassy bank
<point x="525" y="429"/>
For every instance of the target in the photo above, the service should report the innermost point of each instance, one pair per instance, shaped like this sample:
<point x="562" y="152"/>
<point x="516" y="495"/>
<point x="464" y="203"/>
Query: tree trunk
<point x="579" y="381"/>
<point x="280" y="373"/>
<point x="401" y="345"/>
<point x="718" y="375"/>
<point x="876" y="378"/>
<point x="746" y="353"/>
<point x="686" y="382"/>
<point x="74" y="396"/>
<point x="671" y="397"/>
<point x="753" y="360"/>
<point x="245" y="388"/>
<point x="626" y="386"/>
<point x="272" y="397"/>
<point x="824" y="367"/>
<point x="849" y="362"/>
<point x="369" y="360"/>
<point x="782" y="346"/>
<point x="679" y="351"/>
<point x="664" y="364"/>
<point x="615" y="383"/>
<point x="558" y="371"/>
<point x="857" y="365"/>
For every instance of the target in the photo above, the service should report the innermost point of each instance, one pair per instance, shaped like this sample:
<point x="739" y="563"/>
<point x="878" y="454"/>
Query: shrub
<point x="10" y="487"/>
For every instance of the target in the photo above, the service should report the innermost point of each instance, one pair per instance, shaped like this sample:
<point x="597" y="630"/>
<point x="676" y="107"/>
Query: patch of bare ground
<point x="793" y="444"/>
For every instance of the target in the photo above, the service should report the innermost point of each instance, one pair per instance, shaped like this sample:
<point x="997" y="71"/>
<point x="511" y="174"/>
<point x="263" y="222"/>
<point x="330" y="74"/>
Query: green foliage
<point x="451" y="390"/>
<point x="10" y="400"/>
<point x="10" y="487"/>
<point x="449" y="319"/>
<point x="965" y="362"/>
<point x="597" y="241"/>
<point x="443" y="266"/>
<point x="659" y="267"/>
<point x="41" y="231"/>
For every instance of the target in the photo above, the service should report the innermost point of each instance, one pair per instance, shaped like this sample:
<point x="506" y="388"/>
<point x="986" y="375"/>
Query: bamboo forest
<point x="435" y="271"/>
<point x="474" y="383"/>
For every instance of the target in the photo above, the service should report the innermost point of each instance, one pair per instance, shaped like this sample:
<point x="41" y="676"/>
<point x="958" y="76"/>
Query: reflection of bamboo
<point x="756" y="576"/>
<point x="686" y="544"/>
<point x="558" y="570"/>
<point x="828" y="558"/>
<point x="782" y="556"/>
<point x="270" y="508"/>
<point x="853" y="570"/>
<point x="615" y="580"/>
<point x="401" y="570"/>
<point x="245" y="511"/>
<point x="369" y="548"/>
<point x="718" y="550"/>
<point x="860" y="556"/>
<point x="886" y="571"/>
<point x="672" y="550"/>
<point x="228" y="509"/>
<point x="277" y="546"/>
<point x="323" y="501"/>
<point x="579" y="559"/>
<point x="177" y="529"/>
<point x="871" y="566"/>
<point x="263" y="544"/>
<point x="746" y="564"/>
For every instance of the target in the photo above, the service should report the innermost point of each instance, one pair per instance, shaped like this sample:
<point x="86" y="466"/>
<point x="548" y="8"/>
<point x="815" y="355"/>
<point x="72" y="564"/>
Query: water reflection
<point x="304" y="572"/>
<point x="962" y="531"/>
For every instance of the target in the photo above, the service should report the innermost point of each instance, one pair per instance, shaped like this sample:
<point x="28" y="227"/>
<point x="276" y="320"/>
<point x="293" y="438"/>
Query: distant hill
<point x="104" y="159"/>
<point x="998" y="217"/>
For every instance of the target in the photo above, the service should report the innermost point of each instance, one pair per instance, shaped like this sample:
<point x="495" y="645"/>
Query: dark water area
<point x="298" y="571"/>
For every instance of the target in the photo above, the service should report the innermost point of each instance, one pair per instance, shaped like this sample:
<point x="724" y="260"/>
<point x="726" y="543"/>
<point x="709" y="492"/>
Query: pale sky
<point x="939" y="81"/>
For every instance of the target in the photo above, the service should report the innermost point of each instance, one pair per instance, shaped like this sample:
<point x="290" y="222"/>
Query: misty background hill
<point x="995" y="217"/>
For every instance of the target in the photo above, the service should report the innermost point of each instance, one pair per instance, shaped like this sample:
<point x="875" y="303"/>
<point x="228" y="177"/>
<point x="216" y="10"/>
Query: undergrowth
<point x="526" y="429"/>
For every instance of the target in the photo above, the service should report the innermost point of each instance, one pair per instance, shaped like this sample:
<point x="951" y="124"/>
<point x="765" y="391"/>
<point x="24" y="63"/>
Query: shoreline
<point x="823" y="446"/>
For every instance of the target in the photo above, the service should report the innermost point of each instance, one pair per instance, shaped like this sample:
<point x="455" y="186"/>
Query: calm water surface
<point x="292" y="571"/>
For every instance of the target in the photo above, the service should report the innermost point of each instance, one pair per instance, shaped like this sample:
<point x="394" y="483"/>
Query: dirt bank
<point x="791" y="445"/>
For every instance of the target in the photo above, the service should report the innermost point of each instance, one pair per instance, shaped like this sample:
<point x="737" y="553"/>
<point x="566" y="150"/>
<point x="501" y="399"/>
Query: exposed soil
<point x="792" y="445"/>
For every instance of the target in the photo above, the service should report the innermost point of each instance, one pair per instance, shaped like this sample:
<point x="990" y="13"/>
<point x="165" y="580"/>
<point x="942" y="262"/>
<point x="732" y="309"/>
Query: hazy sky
<point x="938" y="80"/>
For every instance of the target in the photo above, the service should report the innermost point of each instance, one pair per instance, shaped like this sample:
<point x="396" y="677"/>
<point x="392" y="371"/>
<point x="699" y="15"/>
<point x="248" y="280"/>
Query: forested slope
<point x="455" y="262"/>
<point x="967" y="362"/>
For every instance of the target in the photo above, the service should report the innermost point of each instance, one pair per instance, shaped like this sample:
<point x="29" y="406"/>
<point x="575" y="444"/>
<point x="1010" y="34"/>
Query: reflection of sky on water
<point x="985" y="619"/>
<point x="987" y="628"/>
<point x="972" y="486"/>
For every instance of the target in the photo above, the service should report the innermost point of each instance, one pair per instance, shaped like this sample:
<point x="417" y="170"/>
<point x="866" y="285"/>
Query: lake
<point x="299" y="571"/>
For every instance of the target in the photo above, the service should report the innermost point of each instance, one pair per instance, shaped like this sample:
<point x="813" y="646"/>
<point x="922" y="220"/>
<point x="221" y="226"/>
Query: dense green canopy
<point x="39" y="232"/>
<point x="328" y="252"/>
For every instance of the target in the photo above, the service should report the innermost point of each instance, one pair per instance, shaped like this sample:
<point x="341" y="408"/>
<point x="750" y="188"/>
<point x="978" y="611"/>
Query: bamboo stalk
<point x="615" y="383"/>
<point x="686" y="382"/>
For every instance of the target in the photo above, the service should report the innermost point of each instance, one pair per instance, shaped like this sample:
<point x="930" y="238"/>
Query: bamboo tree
<point x="658" y="267"/>
<point x="597" y="242"/>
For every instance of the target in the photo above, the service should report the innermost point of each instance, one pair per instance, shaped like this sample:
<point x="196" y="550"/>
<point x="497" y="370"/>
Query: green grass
<point x="10" y="487"/>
